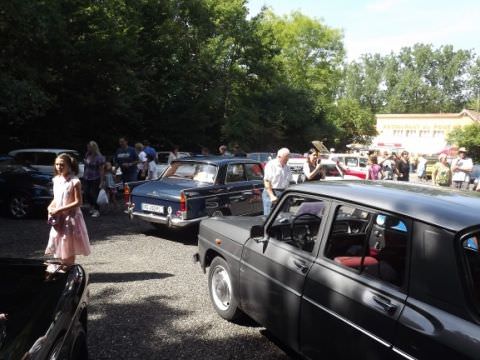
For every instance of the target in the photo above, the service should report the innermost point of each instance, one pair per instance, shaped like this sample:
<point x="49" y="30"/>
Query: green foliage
<point x="353" y="123"/>
<point x="468" y="137"/>
<point x="418" y="79"/>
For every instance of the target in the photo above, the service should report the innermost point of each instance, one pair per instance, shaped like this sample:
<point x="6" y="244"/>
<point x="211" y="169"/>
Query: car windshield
<point x="331" y="170"/>
<point x="190" y="170"/>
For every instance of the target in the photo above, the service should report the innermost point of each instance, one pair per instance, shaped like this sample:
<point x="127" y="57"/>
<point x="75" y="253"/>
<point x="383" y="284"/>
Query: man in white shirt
<point x="277" y="177"/>
<point x="461" y="168"/>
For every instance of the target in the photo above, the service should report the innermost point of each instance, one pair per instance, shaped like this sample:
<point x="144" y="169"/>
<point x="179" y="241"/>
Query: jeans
<point x="91" y="192"/>
<point x="267" y="203"/>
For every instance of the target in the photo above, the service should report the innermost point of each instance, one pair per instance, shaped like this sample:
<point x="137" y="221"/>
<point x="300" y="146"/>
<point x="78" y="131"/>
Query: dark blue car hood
<point x="166" y="187"/>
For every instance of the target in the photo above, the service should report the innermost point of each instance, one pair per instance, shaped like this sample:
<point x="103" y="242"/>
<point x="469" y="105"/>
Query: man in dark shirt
<point x="403" y="167"/>
<point x="127" y="159"/>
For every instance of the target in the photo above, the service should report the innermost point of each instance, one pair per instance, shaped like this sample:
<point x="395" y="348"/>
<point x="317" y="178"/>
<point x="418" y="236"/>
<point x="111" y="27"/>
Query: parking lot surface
<point x="148" y="300"/>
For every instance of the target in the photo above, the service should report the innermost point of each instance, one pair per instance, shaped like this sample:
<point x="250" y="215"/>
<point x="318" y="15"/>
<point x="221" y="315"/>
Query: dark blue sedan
<point x="195" y="188"/>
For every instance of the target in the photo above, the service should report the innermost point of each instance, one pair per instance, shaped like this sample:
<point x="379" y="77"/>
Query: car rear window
<point x="192" y="171"/>
<point x="471" y="252"/>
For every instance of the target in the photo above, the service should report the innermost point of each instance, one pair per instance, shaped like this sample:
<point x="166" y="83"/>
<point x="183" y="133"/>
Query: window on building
<point x="424" y="133"/>
<point x="438" y="133"/>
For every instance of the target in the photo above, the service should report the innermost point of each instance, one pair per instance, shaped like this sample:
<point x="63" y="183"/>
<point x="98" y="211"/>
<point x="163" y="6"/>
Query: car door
<point x="240" y="190"/>
<point x="273" y="268"/>
<point x="356" y="288"/>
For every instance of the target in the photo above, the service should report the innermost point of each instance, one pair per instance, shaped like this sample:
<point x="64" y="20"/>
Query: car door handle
<point x="301" y="265"/>
<point x="385" y="304"/>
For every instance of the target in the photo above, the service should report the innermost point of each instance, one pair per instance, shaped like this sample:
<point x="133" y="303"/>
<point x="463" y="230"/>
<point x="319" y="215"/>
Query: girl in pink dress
<point x="68" y="236"/>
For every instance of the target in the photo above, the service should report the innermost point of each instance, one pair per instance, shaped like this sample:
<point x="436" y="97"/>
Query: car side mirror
<point x="257" y="232"/>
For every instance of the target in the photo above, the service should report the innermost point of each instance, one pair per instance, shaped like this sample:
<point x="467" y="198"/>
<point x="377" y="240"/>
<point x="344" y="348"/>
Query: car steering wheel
<point x="306" y="238"/>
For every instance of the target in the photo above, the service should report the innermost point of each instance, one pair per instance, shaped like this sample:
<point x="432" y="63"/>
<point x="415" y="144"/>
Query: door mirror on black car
<point x="257" y="231"/>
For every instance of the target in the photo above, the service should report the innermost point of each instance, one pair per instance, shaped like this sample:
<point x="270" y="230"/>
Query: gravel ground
<point x="148" y="300"/>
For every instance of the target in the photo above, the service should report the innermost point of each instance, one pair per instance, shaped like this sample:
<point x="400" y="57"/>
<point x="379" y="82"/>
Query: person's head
<point x="175" y="149"/>
<point x="373" y="159"/>
<point x="385" y="154"/>
<point x="222" y="149"/>
<point x="123" y="142"/>
<point x="138" y="147"/>
<point x="92" y="148"/>
<point x="282" y="156"/>
<point x="462" y="152"/>
<point x="404" y="155"/>
<point x="65" y="165"/>
<point x="236" y="147"/>
<point x="312" y="156"/>
<point x="108" y="166"/>
<point x="205" y="151"/>
<point x="442" y="158"/>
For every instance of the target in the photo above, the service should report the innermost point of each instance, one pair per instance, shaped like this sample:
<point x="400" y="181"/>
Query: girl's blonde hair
<point x="71" y="162"/>
<point x="94" y="147"/>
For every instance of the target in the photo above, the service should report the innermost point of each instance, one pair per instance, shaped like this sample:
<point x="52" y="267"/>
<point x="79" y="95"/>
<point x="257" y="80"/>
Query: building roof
<point x="449" y="209"/>
<point x="474" y="115"/>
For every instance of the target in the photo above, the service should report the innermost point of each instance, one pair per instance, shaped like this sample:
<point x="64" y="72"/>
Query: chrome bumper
<point x="165" y="220"/>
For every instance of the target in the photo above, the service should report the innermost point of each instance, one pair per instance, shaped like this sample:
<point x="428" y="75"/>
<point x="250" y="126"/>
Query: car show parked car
<point x="24" y="190"/>
<point x="194" y="188"/>
<point x="353" y="270"/>
<point x="42" y="315"/>
<point x="42" y="159"/>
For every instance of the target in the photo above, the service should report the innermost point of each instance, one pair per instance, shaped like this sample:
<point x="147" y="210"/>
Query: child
<point x="68" y="236"/>
<point x="110" y="186"/>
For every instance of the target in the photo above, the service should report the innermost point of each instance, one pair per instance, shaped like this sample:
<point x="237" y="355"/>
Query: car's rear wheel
<point x="222" y="293"/>
<point x="20" y="206"/>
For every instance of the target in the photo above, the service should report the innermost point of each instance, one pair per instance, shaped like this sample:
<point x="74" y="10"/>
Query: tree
<point x="468" y="137"/>
<point x="353" y="123"/>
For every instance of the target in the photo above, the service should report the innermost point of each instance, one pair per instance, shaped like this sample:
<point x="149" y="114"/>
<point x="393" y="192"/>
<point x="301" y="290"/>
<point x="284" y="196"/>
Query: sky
<point x="383" y="26"/>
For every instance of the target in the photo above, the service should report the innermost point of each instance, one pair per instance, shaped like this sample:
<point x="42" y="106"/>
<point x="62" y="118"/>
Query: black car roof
<point x="217" y="160"/>
<point x="446" y="208"/>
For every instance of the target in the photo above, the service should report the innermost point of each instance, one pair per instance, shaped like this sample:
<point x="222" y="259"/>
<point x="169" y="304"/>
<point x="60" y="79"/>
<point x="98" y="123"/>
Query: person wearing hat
<point x="461" y="168"/>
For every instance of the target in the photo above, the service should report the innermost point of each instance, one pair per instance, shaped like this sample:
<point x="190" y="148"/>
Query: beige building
<point x="419" y="133"/>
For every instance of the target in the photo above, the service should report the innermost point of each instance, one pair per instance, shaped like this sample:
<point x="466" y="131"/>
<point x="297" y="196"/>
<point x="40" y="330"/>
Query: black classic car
<point x="42" y="315"/>
<point x="24" y="189"/>
<point x="354" y="270"/>
<point x="194" y="188"/>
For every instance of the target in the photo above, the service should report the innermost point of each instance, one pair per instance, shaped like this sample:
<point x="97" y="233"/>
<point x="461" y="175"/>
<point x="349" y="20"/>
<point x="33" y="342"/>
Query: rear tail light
<point x="183" y="202"/>
<point x="126" y="194"/>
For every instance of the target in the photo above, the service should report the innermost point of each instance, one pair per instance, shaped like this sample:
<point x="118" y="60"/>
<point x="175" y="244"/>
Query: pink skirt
<point x="70" y="238"/>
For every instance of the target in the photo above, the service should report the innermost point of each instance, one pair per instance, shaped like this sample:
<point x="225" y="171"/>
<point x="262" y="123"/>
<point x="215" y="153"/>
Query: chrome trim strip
<point x="166" y="220"/>
<point x="405" y="355"/>
<point x="348" y="322"/>
<point x="271" y="279"/>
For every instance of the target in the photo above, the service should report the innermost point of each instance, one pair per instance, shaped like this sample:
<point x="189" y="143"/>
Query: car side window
<point x="235" y="173"/>
<point x="46" y="159"/>
<point x="471" y="252"/>
<point x="254" y="172"/>
<point x="26" y="158"/>
<point x="369" y="242"/>
<point x="298" y="221"/>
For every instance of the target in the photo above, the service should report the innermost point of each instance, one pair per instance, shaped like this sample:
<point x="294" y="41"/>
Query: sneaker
<point x="95" y="213"/>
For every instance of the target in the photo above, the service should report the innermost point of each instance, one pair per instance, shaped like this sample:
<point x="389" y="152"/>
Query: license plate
<point x="152" y="208"/>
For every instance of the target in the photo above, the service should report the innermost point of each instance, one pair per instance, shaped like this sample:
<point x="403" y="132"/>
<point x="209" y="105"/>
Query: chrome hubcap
<point x="19" y="206"/>
<point x="221" y="288"/>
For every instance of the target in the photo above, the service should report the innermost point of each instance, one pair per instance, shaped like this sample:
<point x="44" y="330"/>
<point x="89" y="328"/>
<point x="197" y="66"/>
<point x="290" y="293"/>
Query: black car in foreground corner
<point x="42" y="316"/>
<point x="23" y="190"/>
<point x="354" y="270"/>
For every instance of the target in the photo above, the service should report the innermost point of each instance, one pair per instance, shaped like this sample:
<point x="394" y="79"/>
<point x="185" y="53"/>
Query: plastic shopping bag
<point x="102" y="198"/>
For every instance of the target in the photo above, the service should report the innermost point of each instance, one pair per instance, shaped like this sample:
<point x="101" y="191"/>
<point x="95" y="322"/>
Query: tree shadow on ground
<point x="151" y="328"/>
<point x="101" y="277"/>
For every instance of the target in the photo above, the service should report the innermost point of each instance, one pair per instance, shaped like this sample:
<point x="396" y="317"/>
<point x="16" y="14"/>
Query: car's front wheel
<point x="222" y="293"/>
<point x="20" y="206"/>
